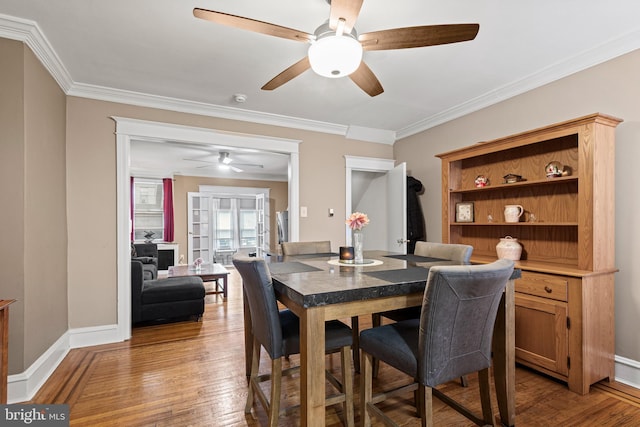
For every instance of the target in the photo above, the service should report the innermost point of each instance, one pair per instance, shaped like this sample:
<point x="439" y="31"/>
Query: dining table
<point x="321" y="287"/>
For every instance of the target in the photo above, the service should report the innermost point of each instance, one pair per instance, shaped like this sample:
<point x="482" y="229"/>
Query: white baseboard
<point x="22" y="387"/>
<point x="628" y="371"/>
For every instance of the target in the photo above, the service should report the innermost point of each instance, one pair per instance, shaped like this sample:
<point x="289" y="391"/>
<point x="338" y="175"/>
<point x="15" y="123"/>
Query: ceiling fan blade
<point x="347" y="10"/>
<point x="293" y="71"/>
<point x="252" y="25"/>
<point x="366" y="80"/>
<point x="201" y="161"/>
<point x="427" y="35"/>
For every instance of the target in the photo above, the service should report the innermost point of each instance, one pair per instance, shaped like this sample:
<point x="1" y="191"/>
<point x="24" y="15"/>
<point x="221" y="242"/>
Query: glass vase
<point x="358" y="242"/>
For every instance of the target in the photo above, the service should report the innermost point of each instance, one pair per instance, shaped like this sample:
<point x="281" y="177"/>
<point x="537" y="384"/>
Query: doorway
<point x="368" y="181"/>
<point x="128" y="129"/>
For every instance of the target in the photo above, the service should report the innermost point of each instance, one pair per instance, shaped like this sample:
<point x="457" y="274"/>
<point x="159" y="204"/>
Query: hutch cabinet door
<point x="541" y="333"/>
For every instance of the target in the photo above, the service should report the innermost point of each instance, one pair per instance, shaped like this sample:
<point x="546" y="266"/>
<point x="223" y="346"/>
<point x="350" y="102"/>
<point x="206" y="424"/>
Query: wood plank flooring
<point x="193" y="374"/>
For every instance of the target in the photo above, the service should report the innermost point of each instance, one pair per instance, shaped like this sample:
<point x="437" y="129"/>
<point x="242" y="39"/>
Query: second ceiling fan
<point x="336" y="48"/>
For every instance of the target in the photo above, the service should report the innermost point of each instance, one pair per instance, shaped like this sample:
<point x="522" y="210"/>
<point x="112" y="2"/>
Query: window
<point x="235" y="222"/>
<point x="224" y="230"/>
<point x="147" y="212"/>
<point x="248" y="224"/>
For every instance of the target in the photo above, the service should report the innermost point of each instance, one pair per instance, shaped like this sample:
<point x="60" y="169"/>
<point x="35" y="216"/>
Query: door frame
<point x="367" y="164"/>
<point x="128" y="129"/>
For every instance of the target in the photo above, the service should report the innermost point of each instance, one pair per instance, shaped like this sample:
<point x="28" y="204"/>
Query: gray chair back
<point x="458" y="314"/>
<point x="306" y="248"/>
<point x="458" y="254"/>
<point x="258" y="288"/>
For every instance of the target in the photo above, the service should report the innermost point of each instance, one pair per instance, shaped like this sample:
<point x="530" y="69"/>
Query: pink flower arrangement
<point x="198" y="262"/>
<point x="357" y="220"/>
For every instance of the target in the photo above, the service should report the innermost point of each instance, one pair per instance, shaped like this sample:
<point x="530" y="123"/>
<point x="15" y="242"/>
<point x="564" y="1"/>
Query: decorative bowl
<point x="553" y="169"/>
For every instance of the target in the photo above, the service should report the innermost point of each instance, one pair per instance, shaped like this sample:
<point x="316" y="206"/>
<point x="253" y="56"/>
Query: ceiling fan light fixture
<point x="335" y="56"/>
<point x="224" y="158"/>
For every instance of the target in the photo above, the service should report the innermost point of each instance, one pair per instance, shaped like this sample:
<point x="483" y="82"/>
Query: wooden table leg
<point x="504" y="357"/>
<point x="224" y="286"/>
<point x="312" y="367"/>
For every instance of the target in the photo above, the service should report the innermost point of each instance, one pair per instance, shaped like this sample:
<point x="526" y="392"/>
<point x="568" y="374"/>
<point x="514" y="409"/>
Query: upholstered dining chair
<point x="306" y="248"/>
<point x="451" y="338"/>
<point x="456" y="254"/>
<point x="278" y="331"/>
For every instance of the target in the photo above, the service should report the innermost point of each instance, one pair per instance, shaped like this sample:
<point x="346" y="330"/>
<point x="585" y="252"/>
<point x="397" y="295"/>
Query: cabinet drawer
<point x="542" y="285"/>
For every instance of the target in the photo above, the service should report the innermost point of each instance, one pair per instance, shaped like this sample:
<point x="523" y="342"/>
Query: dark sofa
<point x="165" y="299"/>
<point x="147" y="254"/>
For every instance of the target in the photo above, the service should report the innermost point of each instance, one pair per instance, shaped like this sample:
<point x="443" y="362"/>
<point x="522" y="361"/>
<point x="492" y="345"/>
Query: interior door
<point x="198" y="242"/>
<point x="397" y="209"/>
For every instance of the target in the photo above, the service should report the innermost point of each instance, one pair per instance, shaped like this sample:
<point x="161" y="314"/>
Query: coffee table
<point x="208" y="273"/>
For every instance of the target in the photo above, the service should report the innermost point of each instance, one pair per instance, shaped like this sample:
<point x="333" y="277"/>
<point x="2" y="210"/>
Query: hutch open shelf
<point x="565" y="298"/>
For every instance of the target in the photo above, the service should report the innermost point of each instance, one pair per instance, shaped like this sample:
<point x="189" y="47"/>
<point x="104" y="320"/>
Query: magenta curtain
<point x="167" y="187"/>
<point x="131" y="206"/>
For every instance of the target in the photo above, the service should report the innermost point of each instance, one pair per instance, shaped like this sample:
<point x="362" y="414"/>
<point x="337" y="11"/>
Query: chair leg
<point x="485" y="397"/>
<point x="347" y="385"/>
<point x="253" y="375"/>
<point x="463" y="381"/>
<point x="355" y="335"/>
<point x="276" y="387"/>
<point x="366" y="378"/>
<point x="424" y="405"/>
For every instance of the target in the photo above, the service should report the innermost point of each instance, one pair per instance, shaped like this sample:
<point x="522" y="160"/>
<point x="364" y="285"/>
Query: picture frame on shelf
<point x="464" y="212"/>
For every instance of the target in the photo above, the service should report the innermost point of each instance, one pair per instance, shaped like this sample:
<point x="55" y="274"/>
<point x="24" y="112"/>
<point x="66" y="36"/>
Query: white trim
<point x="569" y="65"/>
<point x="371" y="164"/>
<point x="368" y="164"/>
<point x="627" y="371"/>
<point x="123" y="238"/>
<point x="221" y="190"/>
<point x="23" y="386"/>
<point x="30" y="33"/>
<point x="128" y="129"/>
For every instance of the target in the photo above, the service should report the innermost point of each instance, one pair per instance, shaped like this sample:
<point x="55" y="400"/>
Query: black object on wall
<point x="415" y="217"/>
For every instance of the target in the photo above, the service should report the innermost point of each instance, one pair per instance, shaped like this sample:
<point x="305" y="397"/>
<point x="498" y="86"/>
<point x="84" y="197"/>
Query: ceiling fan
<point x="224" y="162"/>
<point x="336" y="49"/>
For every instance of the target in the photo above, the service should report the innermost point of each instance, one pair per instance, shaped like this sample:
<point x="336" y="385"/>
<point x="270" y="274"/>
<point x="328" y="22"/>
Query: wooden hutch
<point x="565" y="298"/>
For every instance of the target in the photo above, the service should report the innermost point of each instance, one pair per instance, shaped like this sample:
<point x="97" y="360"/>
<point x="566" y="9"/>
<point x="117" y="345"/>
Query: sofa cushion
<point x="172" y="289"/>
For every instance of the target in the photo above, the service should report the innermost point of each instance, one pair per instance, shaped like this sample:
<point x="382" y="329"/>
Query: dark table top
<point x="313" y="281"/>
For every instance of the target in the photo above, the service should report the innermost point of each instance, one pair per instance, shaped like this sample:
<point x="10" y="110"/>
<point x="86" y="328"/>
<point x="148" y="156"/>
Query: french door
<point x="219" y="226"/>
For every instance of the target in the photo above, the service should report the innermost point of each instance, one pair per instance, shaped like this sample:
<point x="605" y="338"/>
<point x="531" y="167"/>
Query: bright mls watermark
<point x="34" y="415"/>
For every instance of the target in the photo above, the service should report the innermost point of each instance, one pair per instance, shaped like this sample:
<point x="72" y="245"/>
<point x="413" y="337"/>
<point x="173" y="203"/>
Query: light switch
<point x="303" y="211"/>
<point x="330" y="212"/>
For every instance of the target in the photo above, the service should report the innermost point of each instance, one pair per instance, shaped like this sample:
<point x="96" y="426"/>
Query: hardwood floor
<point x="193" y="374"/>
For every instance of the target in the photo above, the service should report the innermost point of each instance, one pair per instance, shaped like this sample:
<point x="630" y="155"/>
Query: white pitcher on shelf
<point x="512" y="213"/>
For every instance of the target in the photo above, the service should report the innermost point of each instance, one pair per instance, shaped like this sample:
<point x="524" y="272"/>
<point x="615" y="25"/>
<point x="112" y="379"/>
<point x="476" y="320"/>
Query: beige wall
<point x="278" y="201"/>
<point x="33" y="263"/>
<point x="91" y="174"/>
<point x="611" y="88"/>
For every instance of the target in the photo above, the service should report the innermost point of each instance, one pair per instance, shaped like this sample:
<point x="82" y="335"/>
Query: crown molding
<point x="600" y="53"/>
<point x="30" y="34"/>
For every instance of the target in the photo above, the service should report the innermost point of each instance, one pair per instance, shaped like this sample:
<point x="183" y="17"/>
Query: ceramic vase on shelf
<point x="509" y="248"/>
<point x="358" y="242"/>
